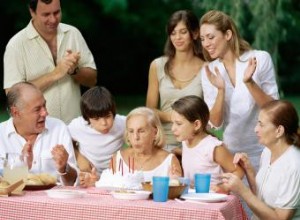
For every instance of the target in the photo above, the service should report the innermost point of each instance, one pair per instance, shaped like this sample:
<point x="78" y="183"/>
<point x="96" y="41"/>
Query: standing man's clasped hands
<point x="72" y="57"/>
<point x="67" y="64"/>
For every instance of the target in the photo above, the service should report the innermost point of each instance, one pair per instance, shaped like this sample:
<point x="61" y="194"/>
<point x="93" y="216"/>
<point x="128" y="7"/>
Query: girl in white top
<point x="201" y="152"/>
<point x="177" y="73"/>
<point x="236" y="83"/>
<point x="275" y="191"/>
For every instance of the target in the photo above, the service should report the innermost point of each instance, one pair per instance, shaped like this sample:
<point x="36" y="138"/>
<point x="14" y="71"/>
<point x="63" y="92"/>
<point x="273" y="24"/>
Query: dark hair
<point x="192" y="23"/>
<point x="14" y="94"/>
<point x="97" y="102"/>
<point x="283" y="113"/>
<point x="193" y="108"/>
<point x="33" y="3"/>
<point x="223" y="23"/>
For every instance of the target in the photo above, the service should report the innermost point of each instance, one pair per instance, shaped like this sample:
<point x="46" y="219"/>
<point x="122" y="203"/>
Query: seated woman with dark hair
<point x="275" y="191"/>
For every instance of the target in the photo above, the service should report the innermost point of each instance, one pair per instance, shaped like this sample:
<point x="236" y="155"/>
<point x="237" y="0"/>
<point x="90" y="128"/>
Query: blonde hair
<point x="152" y="120"/>
<point x="223" y="23"/>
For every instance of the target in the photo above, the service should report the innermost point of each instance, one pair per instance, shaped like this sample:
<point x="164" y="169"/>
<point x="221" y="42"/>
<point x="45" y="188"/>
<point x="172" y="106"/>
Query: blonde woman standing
<point x="237" y="81"/>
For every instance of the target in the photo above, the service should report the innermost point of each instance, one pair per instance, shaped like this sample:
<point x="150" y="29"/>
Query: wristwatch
<point x="75" y="71"/>
<point x="66" y="171"/>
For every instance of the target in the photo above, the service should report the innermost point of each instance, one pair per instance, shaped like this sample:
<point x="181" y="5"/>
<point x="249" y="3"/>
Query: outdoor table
<point x="100" y="204"/>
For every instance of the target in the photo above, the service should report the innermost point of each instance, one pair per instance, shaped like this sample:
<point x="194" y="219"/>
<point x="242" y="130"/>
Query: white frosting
<point x="117" y="180"/>
<point x="174" y="182"/>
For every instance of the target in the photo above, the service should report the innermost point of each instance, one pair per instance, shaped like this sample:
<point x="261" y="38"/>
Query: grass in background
<point x="126" y="103"/>
<point x="3" y="115"/>
<point x="296" y="102"/>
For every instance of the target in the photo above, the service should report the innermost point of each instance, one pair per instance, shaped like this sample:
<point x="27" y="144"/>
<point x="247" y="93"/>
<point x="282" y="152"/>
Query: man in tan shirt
<point x="53" y="56"/>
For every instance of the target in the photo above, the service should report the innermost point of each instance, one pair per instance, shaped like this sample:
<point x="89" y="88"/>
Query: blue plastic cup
<point x="160" y="188"/>
<point x="202" y="182"/>
<point x="186" y="181"/>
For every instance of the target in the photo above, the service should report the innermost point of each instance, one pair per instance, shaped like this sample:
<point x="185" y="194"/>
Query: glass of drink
<point x="15" y="169"/>
<point x="2" y="161"/>
<point x="202" y="182"/>
<point x="160" y="188"/>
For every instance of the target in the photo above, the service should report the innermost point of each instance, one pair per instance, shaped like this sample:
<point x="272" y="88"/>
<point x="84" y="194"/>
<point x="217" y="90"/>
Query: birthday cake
<point x="117" y="180"/>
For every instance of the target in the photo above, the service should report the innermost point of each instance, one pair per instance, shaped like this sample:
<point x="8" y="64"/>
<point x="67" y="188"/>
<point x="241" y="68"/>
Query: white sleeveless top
<point x="161" y="170"/>
<point x="200" y="159"/>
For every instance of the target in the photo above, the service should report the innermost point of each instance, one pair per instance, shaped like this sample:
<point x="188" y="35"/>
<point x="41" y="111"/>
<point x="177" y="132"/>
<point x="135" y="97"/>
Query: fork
<point x="181" y="200"/>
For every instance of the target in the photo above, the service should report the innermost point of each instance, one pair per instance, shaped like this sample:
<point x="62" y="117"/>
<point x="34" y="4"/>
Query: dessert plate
<point x="131" y="194"/>
<point x="113" y="188"/>
<point x="65" y="193"/>
<point x="194" y="191"/>
<point x="205" y="197"/>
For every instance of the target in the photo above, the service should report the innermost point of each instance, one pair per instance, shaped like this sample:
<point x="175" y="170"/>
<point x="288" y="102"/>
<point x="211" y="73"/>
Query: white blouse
<point x="241" y="111"/>
<point x="278" y="184"/>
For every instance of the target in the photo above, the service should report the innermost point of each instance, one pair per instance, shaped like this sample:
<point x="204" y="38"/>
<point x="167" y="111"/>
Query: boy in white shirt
<point x="98" y="133"/>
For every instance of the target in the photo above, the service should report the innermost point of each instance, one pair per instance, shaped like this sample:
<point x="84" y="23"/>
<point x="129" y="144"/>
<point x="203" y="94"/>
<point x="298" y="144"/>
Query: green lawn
<point x="3" y="115"/>
<point x="296" y="101"/>
<point x="126" y="103"/>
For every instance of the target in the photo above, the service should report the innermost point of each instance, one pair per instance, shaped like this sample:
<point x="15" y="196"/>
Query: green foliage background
<point x="125" y="35"/>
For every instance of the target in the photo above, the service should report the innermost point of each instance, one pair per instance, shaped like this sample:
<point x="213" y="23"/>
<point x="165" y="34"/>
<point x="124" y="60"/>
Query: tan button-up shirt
<point x="27" y="57"/>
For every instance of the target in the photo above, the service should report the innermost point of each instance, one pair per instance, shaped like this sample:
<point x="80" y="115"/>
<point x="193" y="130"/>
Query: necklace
<point x="140" y="163"/>
<point x="183" y="81"/>
<point x="180" y="84"/>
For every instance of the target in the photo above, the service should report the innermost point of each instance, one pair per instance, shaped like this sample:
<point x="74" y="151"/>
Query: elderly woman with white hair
<point x="145" y="139"/>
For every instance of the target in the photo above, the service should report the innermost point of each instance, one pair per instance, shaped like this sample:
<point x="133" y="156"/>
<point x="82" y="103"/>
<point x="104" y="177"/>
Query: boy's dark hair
<point x="97" y="102"/>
